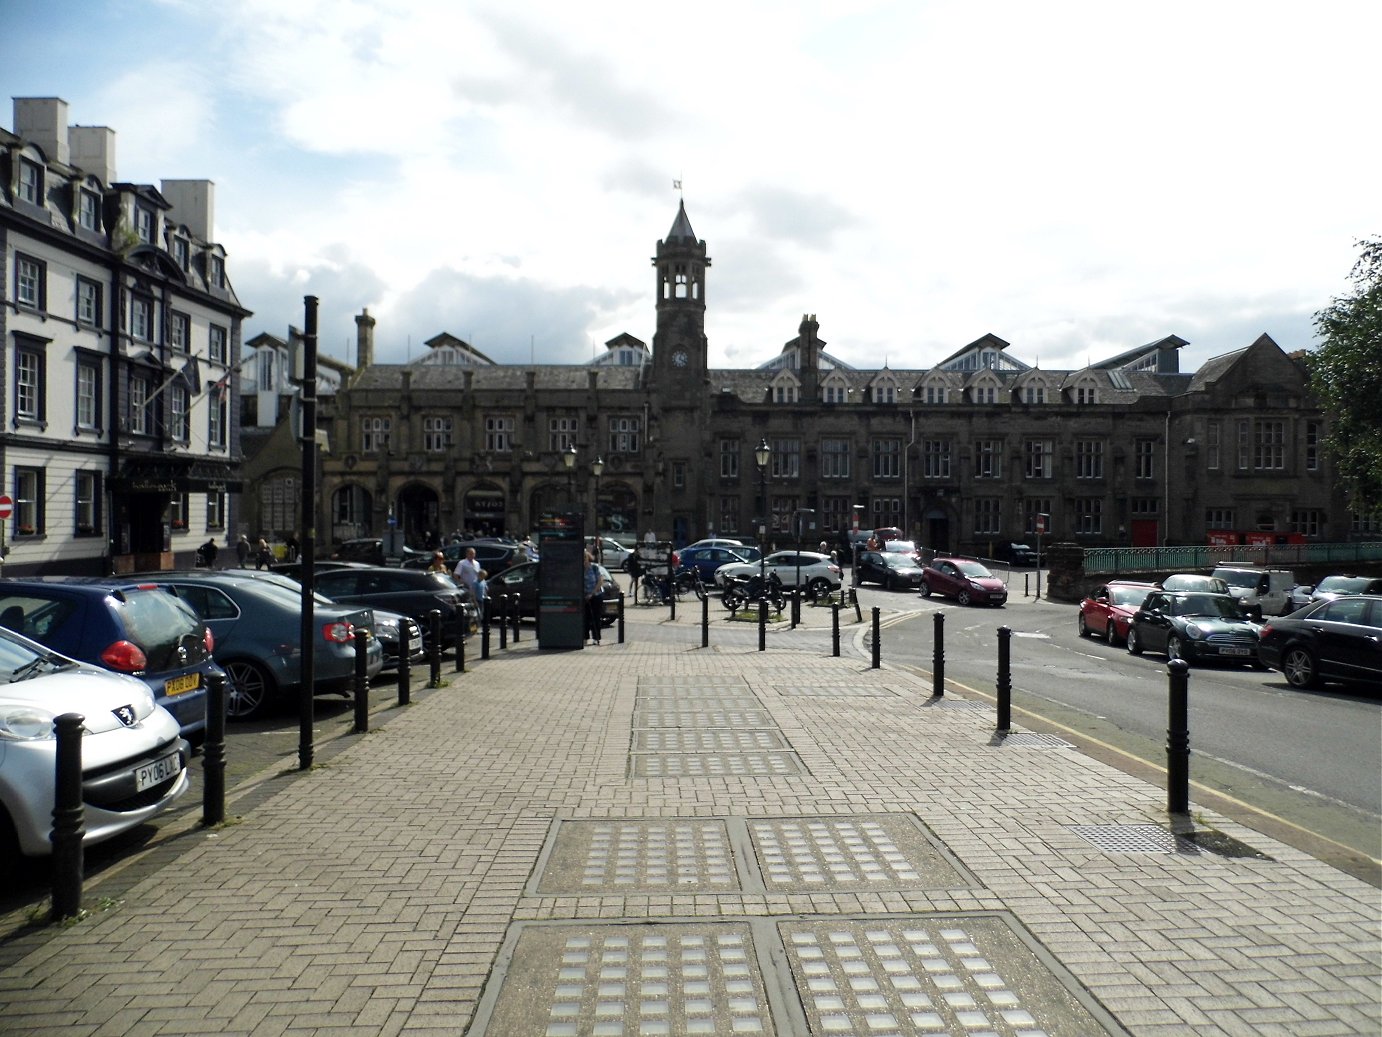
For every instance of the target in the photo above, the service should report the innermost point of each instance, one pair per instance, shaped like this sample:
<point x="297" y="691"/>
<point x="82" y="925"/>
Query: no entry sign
<point x="6" y="506"/>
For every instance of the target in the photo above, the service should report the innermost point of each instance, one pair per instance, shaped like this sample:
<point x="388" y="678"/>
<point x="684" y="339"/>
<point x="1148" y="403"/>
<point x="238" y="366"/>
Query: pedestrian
<point x="529" y="549"/>
<point x="208" y="553"/>
<point x="265" y="557"/>
<point x="242" y="550"/>
<point x="594" y="600"/>
<point x="290" y="547"/>
<point x="468" y="572"/>
<point x="438" y="564"/>
<point x="635" y="568"/>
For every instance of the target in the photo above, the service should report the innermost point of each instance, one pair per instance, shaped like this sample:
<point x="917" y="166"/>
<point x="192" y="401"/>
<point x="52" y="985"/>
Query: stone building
<point x="118" y="447"/>
<point x="963" y="455"/>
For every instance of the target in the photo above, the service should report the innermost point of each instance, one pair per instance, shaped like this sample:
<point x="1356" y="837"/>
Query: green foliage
<point x="1346" y="375"/>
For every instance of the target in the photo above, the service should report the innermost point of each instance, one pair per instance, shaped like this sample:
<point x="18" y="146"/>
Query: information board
<point x="561" y="581"/>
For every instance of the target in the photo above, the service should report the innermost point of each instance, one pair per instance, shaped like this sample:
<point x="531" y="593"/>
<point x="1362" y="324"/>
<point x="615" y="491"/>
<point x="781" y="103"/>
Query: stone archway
<point x="482" y="509"/>
<point x="418" y="514"/>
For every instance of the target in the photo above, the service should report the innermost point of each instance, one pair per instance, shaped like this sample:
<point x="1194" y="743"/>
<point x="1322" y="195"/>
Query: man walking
<point x="468" y="572"/>
<point x="594" y="600"/>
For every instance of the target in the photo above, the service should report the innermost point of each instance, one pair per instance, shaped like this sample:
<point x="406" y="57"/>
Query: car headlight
<point x="22" y="722"/>
<point x="1194" y="631"/>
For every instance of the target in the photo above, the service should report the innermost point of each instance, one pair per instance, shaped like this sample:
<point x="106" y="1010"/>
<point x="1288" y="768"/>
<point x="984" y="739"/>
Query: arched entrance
<point x="482" y="510"/>
<point x="418" y="514"/>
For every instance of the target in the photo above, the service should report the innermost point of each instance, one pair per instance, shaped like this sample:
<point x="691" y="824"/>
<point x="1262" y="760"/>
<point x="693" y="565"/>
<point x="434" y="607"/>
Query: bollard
<point x="214" y="752"/>
<point x="1005" y="684"/>
<point x="762" y="625"/>
<point x="405" y="666"/>
<point x="68" y="817"/>
<point x="361" y="687"/>
<point x="484" y="632"/>
<point x="877" y="639"/>
<point x="835" y="629"/>
<point x="621" y="617"/>
<point x="858" y="616"/>
<point x="1178" y="738"/>
<point x="796" y="608"/>
<point x="1026" y="585"/>
<point x="672" y="597"/>
<point x="705" y="621"/>
<point x="503" y="622"/>
<point x="517" y="617"/>
<point x="434" y="649"/>
<point x="460" y="644"/>
<point x="938" y="657"/>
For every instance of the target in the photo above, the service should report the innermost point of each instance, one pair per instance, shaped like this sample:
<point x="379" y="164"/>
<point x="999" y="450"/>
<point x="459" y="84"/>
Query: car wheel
<point x="819" y="587"/>
<point x="963" y="597"/>
<point x="1134" y="644"/>
<point x="1173" y="649"/>
<point x="1082" y="626"/>
<point x="924" y="589"/>
<point x="1299" y="667"/>
<point x="252" y="688"/>
<point x="1111" y="633"/>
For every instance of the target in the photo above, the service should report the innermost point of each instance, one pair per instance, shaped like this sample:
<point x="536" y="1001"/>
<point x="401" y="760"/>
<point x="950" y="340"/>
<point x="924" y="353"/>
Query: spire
<point x="681" y="226"/>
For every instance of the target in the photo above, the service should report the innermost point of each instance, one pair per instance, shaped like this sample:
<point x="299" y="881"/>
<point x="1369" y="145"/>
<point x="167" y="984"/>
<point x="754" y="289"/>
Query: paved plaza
<point x="659" y="838"/>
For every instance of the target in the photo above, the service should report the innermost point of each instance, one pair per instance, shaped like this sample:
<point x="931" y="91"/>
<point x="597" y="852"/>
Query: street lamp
<point x="597" y="467"/>
<point x="761" y="456"/>
<point x="568" y="458"/>
<point x="797" y="516"/>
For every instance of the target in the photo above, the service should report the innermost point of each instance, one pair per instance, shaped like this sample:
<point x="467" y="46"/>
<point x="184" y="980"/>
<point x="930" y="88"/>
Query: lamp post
<point x="761" y="455"/>
<point x="568" y="458"/>
<point x="797" y="516"/>
<point x="597" y="468"/>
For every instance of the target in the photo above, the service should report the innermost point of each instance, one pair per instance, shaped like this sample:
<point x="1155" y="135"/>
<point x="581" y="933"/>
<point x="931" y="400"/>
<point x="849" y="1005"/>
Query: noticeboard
<point x="561" y="581"/>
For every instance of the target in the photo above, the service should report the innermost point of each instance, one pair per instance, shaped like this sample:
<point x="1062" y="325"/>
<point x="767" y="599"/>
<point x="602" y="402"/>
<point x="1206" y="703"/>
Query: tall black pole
<point x="307" y="516"/>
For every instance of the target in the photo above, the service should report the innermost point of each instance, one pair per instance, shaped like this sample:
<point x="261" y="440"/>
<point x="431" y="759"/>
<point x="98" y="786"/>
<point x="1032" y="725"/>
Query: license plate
<point x="1234" y="650"/>
<point x="187" y="682"/>
<point x="156" y="773"/>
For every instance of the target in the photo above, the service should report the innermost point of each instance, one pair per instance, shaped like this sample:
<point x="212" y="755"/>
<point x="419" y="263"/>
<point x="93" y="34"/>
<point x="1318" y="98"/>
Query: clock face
<point x="680" y="358"/>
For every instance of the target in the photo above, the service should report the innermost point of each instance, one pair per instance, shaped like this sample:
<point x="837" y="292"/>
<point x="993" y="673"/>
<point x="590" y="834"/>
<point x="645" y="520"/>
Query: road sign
<point x="1041" y="523"/>
<point x="6" y="506"/>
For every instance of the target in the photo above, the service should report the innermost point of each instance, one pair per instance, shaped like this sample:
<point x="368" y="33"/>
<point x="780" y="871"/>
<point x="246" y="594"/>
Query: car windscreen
<point x="1239" y="579"/>
<point x="1344" y="584"/>
<point x="894" y="560"/>
<point x="1130" y="596"/>
<point x="972" y="569"/>
<point x="159" y="624"/>
<point x="1210" y="605"/>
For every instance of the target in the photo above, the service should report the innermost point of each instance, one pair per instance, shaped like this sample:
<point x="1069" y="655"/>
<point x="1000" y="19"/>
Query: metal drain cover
<point x="1134" y="839"/>
<point x="1032" y="740"/>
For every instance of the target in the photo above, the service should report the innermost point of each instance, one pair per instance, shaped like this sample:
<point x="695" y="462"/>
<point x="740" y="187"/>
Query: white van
<point x="1263" y="592"/>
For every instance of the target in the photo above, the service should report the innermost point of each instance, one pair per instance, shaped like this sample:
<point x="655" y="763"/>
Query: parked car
<point x="967" y="581"/>
<point x="522" y="581"/>
<point x="818" y="573"/>
<point x="708" y="558"/>
<point x="369" y="550"/>
<point x="903" y="547"/>
<point x="1299" y="597"/>
<point x="1016" y="554"/>
<point x="494" y="556"/>
<point x="121" y="624"/>
<point x="134" y="758"/>
<point x="1194" y="582"/>
<point x="257" y="624"/>
<point x="1338" y="639"/>
<point x="1195" y="626"/>
<point x="892" y="570"/>
<point x="412" y="592"/>
<point x="1108" y="609"/>
<point x="1260" y="591"/>
<point x="1332" y="587"/>
<point x="614" y="556"/>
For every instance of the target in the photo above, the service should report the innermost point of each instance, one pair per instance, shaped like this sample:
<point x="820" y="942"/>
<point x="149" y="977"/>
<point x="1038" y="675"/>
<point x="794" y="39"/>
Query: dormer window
<point x="935" y="394"/>
<point x="1087" y="392"/>
<point x="144" y="224"/>
<point x="89" y="210"/>
<point x="834" y="392"/>
<point x="30" y="182"/>
<point x="182" y="253"/>
<point x="885" y="392"/>
<point x="216" y="273"/>
<point x="785" y="393"/>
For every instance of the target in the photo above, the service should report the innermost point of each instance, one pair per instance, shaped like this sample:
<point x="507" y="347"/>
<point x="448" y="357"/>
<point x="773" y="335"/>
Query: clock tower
<point x="679" y="343"/>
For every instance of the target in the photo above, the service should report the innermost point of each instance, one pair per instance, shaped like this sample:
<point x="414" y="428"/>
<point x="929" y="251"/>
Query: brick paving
<point x="397" y="888"/>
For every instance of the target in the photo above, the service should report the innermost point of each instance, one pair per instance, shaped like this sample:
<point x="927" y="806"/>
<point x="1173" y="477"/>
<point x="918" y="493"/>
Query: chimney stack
<point x="93" y="151"/>
<point x="43" y="121"/>
<point x="194" y="206"/>
<point x="364" y="340"/>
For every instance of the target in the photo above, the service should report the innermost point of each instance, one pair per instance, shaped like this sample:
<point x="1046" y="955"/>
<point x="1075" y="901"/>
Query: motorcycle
<point x="749" y="590"/>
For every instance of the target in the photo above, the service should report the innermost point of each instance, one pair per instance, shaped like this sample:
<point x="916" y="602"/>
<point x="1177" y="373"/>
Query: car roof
<point x="94" y="583"/>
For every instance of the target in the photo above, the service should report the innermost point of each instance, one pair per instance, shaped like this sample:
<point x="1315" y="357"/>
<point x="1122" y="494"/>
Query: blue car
<point x="128" y="626"/>
<point x="705" y="560"/>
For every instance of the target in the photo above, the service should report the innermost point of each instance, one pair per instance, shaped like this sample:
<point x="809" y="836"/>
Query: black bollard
<point x="214" y="752"/>
<point x="434" y="649"/>
<point x="68" y="817"/>
<point x="517" y="618"/>
<point x="1178" y="738"/>
<point x="858" y="616"/>
<point x="705" y="621"/>
<point x="1005" y="684"/>
<point x="621" y="617"/>
<point x="460" y="644"/>
<point x="361" y="684"/>
<point x="484" y="633"/>
<point x="503" y="622"/>
<point x="405" y="669"/>
<point x="796" y="608"/>
<point x="877" y="639"/>
<point x="938" y="657"/>
<point x="672" y="597"/>
<point x="835" y="629"/>
<point x="762" y="625"/>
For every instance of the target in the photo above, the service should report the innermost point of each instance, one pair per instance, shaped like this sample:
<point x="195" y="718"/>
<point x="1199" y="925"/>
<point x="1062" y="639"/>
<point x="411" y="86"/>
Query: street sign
<point x="1041" y="523"/>
<point x="6" y="506"/>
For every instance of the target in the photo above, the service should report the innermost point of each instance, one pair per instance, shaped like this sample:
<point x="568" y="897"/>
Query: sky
<point x="1075" y="178"/>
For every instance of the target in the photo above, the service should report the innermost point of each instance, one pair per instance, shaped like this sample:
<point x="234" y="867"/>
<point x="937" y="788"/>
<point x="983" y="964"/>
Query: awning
<point x="175" y="475"/>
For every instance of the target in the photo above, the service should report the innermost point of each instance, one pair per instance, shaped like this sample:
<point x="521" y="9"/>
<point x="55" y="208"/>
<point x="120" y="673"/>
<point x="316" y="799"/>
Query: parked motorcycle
<point x="749" y="590"/>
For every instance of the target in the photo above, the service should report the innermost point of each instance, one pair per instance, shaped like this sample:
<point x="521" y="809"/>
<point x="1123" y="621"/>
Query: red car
<point x="1110" y="608"/>
<point x="963" y="579"/>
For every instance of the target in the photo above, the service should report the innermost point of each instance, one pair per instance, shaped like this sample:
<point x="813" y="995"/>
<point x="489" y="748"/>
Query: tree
<point x="1346" y="376"/>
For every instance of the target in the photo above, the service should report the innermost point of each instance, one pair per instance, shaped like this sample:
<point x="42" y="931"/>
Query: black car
<point x="494" y="556"/>
<point x="892" y="570"/>
<point x="1016" y="554"/>
<point x="1335" y="640"/>
<point x="369" y="550"/>
<point x="521" y="581"/>
<point x="413" y="592"/>
<point x="1194" y="626"/>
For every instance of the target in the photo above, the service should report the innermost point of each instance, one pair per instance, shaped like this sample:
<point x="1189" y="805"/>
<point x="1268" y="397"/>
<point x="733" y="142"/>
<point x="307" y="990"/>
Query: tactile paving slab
<point x="647" y="717"/>
<point x="714" y="765"/>
<point x="848" y="853"/>
<point x="682" y="740"/>
<point x="1033" y="740"/>
<point x="959" y="975"/>
<point x="613" y="857"/>
<point x="564" y="981"/>
<point x="698" y="680"/>
<point x="835" y="690"/>
<point x="1134" y="839"/>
